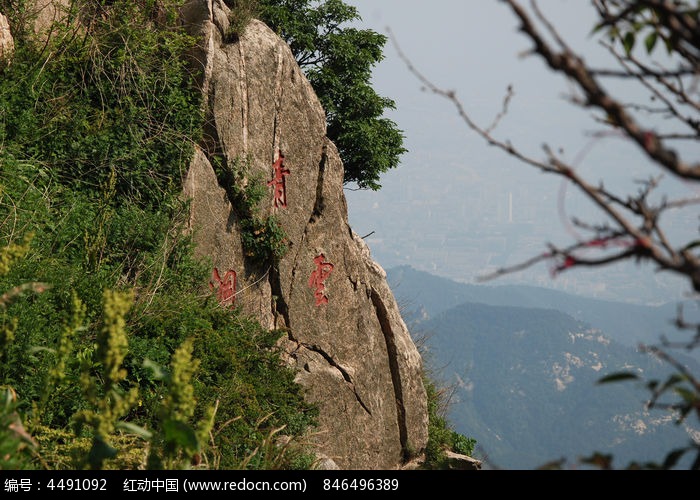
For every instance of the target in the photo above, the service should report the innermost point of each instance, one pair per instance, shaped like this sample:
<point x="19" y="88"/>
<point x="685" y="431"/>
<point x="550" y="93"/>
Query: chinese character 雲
<point x="318" y="277"/>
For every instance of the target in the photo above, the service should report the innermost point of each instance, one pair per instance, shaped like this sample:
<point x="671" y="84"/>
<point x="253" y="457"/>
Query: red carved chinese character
<point x="318" y="277"/>
<point x="278" y="182"/>
<point x="226" y="292"/>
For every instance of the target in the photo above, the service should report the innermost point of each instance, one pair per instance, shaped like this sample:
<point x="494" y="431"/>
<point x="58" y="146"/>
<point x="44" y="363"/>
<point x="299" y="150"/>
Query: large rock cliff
<point x="344" y="333"/>
<point x="345" y="337"/>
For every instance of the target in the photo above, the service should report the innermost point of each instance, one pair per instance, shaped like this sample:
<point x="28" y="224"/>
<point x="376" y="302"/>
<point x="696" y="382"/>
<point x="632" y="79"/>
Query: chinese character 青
<point x="278" y="182"/>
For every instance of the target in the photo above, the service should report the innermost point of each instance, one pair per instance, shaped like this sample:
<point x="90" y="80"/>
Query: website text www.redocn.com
<point x="244" y="485"/>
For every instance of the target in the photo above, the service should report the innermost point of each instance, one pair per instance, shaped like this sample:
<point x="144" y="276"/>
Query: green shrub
<point x="93" y="144"/>
<point x="440" y="436"/>
<point x="241" y="373"/>
<point x="462" y="444"/>
<point x="242" y="12"/>
<point x="263" y="239"/>
<point x="116" y="100"/>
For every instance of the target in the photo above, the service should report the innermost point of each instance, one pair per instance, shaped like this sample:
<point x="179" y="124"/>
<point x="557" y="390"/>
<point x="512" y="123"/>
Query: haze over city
<point x="458" y="208"/>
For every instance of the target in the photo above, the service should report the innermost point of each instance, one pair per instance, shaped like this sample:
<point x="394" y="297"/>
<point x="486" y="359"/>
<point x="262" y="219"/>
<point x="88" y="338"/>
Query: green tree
<point x="655" y="46"/>
<point x="338" y="61"/>
<point x="96" y="129"/>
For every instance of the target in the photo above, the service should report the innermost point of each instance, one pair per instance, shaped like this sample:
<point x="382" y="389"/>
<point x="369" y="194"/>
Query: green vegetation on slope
<point x="104" y="313"/>
<point x="526" y="388"/>
<point x="113" y="353"/>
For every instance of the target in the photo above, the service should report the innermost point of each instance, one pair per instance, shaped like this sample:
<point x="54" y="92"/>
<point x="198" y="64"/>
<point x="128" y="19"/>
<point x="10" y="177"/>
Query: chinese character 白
<point x="226" y="292"/>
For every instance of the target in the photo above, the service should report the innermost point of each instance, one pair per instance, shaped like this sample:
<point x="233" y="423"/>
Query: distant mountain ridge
<point x="626" y="323"/>
<point x="524" y="377"/>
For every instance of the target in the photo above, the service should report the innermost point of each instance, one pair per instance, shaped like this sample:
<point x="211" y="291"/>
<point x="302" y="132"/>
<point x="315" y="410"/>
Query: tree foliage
<point x="655" y="49"/>
<point x="338" y="62"/>
<point x="113" y="351"/>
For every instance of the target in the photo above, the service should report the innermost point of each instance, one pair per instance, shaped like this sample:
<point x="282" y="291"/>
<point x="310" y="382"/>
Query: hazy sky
<point x="474" y="48"/>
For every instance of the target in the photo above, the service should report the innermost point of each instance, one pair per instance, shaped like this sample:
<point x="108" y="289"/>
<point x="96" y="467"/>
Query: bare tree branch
<point x="646" y="240"/>
<point x="632" y="229"/>
<point x="574" y="67"/>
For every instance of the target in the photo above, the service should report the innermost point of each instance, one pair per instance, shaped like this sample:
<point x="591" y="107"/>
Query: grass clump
<point x="107" y="325"/>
